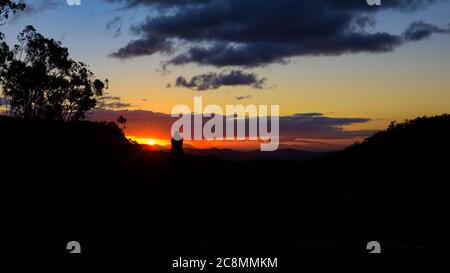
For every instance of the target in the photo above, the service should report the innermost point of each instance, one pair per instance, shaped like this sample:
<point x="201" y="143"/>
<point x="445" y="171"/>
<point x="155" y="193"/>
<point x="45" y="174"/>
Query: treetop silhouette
<point x="7" y="7"/>
<point x="41" y="81"/>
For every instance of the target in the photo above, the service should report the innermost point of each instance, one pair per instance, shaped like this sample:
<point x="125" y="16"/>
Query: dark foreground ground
<point x="85" y="182"/>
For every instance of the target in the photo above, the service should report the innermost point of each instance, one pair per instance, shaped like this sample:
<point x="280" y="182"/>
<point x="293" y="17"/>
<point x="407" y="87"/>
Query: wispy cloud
<point x="113" y="103"/>
<point x="243" y="97"/>
<point x="298" y="128"/>
<point x="37" y="6"/>
<point x="115" y="25"/>
<point x="420" y="30"/>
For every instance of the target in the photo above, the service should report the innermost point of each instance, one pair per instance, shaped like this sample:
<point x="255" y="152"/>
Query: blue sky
<point x="408" y="82"/>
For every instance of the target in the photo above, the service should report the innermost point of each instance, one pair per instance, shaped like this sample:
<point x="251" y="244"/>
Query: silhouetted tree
<point x="122" y="121"/>
<point x="7" y="7"/>
<point x="39" y="80"/>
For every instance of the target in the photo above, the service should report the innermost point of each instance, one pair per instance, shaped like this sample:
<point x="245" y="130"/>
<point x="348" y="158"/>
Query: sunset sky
<point x="338" y="71"/>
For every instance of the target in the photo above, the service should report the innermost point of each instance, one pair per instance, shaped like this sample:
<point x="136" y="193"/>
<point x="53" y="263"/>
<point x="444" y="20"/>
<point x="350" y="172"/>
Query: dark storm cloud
<point x="211" y="81"/>
<point x="420" y="30"/>
<point x="157" y="3"/>
<point x="251" y="33"/>
<point x="346" y="4"/>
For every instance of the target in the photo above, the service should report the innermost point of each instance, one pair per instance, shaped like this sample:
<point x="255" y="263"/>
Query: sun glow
<point x="149" y="141"/>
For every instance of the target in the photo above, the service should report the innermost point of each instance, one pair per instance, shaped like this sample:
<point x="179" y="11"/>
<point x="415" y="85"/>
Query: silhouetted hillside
<point x="30" y="133"/>
<point x="422" y="137"/>
<point x="84" y="181"/>
<point x="400" y="184"/>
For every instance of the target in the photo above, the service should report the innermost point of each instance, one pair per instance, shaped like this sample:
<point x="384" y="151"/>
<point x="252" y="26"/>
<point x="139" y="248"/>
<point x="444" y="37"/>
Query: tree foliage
<point x="122" y="121"/>
<point x="41" y="81"/>
<point x="7" y="7"/>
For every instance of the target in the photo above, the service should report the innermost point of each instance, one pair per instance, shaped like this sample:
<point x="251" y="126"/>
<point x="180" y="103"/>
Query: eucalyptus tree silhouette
<point x="40" y="81"/>
<point x="7" y="7"/>
<point x="122" y="121"/>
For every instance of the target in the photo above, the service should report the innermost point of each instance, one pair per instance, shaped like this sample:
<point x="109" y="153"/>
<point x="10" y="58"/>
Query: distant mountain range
<point x="228" y="154"/>
<point x="236" y="155"/>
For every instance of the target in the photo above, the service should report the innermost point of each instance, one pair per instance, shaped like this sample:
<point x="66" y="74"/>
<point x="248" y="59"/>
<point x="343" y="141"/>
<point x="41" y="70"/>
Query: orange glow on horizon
<point x="149" y="141"/>
<point x="303" y="144"/>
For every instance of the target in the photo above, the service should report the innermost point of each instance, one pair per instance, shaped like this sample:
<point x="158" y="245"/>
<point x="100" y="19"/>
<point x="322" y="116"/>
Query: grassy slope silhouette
<point x="84" y="181"/>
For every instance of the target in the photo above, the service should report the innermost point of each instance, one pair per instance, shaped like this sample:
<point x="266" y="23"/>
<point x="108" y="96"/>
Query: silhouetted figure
<point x="177" y="144"/>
